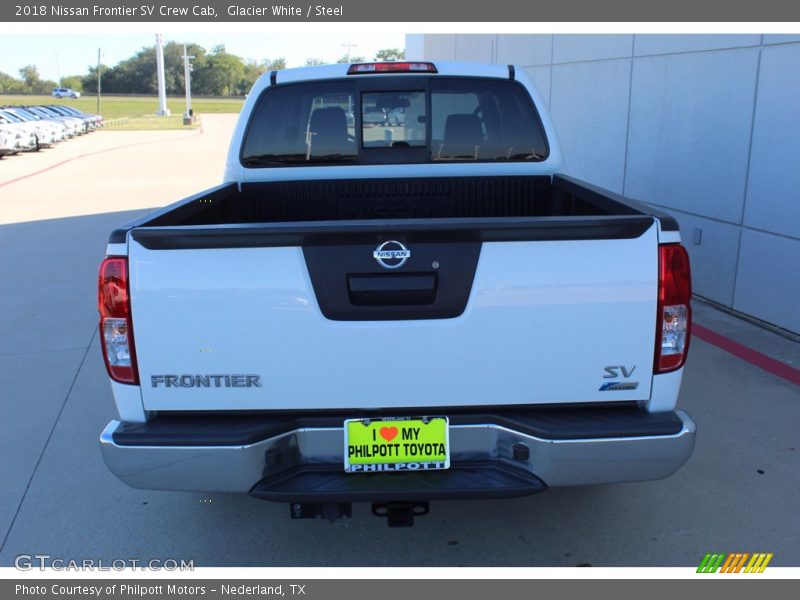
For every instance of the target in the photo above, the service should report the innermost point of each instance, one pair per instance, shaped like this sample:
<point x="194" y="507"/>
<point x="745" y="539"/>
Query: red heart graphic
<point x="388" y="433"/>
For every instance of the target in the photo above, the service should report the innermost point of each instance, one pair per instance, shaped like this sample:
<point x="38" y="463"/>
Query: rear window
<point x="383" y="119"/>
<point x="380" y="120"/>
<point x="303" y="124"/>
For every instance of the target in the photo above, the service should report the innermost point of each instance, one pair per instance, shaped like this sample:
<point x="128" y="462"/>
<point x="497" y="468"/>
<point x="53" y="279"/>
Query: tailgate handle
<point x="400" y="289"/>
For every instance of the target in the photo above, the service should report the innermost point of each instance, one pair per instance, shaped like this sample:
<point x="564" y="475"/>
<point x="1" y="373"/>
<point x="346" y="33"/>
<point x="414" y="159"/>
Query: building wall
<point x="706" y="127"/>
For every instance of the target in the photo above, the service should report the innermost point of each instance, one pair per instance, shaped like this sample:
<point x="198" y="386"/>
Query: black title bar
<point x="222" y="11"/>
<point x="734" y="588"/>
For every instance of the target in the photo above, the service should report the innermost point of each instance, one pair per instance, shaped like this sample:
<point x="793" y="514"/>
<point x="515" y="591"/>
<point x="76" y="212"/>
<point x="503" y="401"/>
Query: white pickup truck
<point x="395" y="310"/>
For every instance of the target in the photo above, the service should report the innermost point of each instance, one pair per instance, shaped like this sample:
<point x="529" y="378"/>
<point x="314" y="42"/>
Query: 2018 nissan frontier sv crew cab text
<point x="395" y="298"/>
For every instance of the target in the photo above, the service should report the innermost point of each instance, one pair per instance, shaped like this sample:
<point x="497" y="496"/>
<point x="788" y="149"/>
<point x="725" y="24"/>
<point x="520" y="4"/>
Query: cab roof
<point x="463" y="69"/>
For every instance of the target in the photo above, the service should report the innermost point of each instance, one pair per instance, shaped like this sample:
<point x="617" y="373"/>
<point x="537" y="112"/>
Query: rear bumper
<point x="299" y="459"/>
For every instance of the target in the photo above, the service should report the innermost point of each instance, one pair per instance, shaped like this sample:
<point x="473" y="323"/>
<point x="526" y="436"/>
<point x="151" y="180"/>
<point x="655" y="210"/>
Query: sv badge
<point x="615" y="372"/>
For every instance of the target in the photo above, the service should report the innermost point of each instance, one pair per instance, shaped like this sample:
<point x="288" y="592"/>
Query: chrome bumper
<point x="557" y="462"/>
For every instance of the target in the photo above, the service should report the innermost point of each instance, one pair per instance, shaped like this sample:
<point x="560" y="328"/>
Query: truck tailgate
<point x="485" y="312"/>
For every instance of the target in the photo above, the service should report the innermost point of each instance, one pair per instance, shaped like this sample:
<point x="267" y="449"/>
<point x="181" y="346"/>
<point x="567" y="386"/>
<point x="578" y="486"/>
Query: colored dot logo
<point x="735" y="562"/>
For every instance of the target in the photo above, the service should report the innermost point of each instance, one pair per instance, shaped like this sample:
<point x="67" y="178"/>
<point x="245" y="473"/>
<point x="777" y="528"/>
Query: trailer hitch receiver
<point x="400" y="514"/>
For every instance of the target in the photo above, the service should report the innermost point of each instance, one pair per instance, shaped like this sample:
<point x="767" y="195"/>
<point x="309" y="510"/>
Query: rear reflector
<point x="391" y="67"/>
<point x="674" y="311"/>
<point x="116" y="331"/>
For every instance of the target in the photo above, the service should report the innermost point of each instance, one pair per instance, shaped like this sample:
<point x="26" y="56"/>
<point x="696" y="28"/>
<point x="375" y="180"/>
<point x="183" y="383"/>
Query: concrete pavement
<point x="737" y="493"/>
<point x="56" y="210"/>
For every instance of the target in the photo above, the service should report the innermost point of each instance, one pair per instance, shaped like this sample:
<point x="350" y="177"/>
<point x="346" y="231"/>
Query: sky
<point x="71" y="54"/>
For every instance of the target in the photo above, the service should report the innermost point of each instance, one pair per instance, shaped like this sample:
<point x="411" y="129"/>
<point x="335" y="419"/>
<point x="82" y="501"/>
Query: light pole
<point x="188" y="116"/>
<point x="99" y="66"/>
<point x="163" y="111"/>
<point x="349" y="48"/>
<point x="58" y="68"/>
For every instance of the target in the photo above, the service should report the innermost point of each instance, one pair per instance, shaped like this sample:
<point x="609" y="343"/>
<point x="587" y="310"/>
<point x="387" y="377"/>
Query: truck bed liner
<point x="415" y="199"/>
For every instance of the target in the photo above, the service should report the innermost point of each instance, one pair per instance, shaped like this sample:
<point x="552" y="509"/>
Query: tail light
<point x="116" y="331"/>
<point x="391" y="67"/>
<point x="674" y="312"/>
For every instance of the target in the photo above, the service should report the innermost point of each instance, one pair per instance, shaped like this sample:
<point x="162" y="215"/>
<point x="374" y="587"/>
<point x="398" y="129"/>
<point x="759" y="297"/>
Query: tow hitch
<point x="400" y="514"/>
<point x="323" y="510"/>
<point x="397" y="514"/>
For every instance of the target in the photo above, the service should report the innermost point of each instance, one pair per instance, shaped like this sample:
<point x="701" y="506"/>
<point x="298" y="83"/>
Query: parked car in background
<point x="27" y="128"/>
<point x="29" y="140"/>
<point x="94" y="121"/>
<point x="373" y="115"/>
<point x="59" y="128"/>
<point x="85" y="123"/>
<point x="26" y="136"/>
<point x="74" y="125"/>
<point x="47" y="132"/>
<point x="397" y="117"/>
<point x="9" y="141"/>
<point x="65" y="93"/>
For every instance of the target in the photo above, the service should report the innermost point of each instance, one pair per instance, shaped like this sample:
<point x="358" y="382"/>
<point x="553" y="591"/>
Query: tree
<point x="33" y="83"/>
<point x="352" y="59"/>
<point x="217" y="73"/>
<point x="313" y="62"/>
<point x="10" y="85"/>
<point x="276" y="64"/>
<point x="173" y="65"/>
<point x="30" y="75"/>
<point x="89" y="81"/>
<point x="253" y="70"/>
<point x="220" y="74"/>
<point x="74" y="82"/>
<point x="137" y="74"/>
<point x="390" y="54"/>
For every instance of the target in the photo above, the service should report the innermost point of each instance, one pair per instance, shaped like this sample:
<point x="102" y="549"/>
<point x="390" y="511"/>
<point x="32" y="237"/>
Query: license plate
<point x="396" y="444"/>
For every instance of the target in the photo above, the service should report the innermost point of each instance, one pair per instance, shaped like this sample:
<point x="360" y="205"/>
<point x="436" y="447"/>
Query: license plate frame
<point x="388" y="433"/>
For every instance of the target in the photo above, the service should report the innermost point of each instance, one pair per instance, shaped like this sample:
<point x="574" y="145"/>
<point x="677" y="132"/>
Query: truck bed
<point x="426" y="298"/>
<point x="278" y="278"/>
<point x="381" y="199"/>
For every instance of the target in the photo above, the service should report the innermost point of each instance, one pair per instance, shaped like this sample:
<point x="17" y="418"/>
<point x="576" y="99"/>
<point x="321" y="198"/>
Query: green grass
<point x="139" y="110"/>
